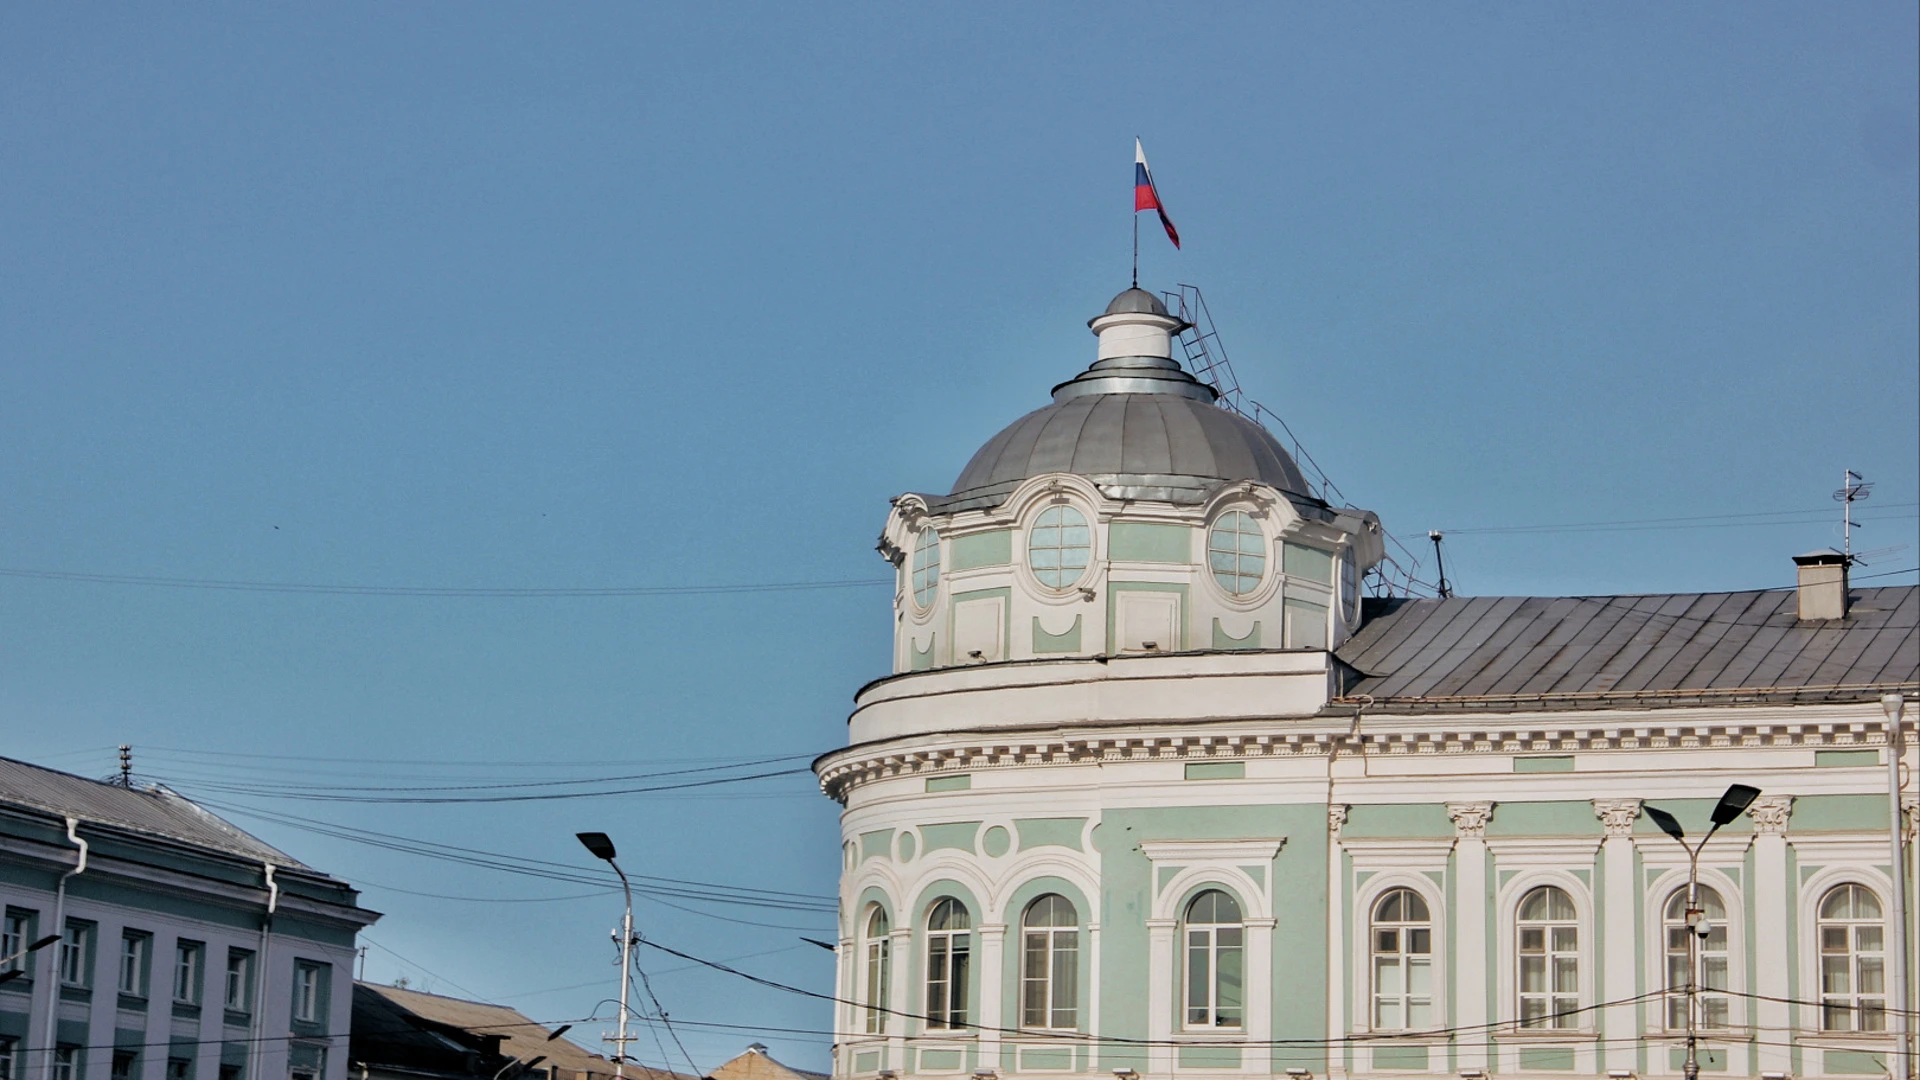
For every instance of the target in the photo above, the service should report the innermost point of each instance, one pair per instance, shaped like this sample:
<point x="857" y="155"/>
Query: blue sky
<point x="623" y="295"/>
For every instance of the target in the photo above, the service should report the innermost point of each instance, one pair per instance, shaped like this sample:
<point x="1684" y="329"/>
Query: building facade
<point x="181" y="947"/>
<point x="1153" y="790"/>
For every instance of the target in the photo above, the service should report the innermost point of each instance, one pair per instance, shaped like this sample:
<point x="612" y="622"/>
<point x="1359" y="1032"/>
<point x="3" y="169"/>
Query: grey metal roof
<point x="1597" y="651"/>
<point x="1141" y="446"/>
<point x="156" y="812"/>
<point x="1135" y="301"/>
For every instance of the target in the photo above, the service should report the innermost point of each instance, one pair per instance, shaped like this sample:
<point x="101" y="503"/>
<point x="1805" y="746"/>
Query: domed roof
<point x="1166" y="447"/>
<point x="1135" y="423"/>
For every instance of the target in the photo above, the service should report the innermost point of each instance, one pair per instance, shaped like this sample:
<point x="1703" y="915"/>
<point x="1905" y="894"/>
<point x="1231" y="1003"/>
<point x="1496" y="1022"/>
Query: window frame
<point x="1556" y="1018"/>
<point x="877" y="970"/>
<point x="1211" y="944"/>
<point x="245" y="976"/>
<point x="66" y="1062"/>
<point x="190" y="963"/>
<point x="75" y="968"/>
<point x="948" y="1008"/>
<point x="926" y="540"/>
<point x="16" y="933"/>
<point x="1403" y="928"/>
<point x="1058" y="945"/>
<point x="1031" y="530"/>
<point x="1669" y="924"/>
<point x="10" y="1057"/>
<point x="1821" y="923"/>
<point x="136" y="948"/>
<point x="1268" y="561"/>
<point x="308" y="1005"/>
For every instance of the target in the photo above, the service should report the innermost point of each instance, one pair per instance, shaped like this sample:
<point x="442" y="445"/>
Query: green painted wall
<point x="1845" y="758"/>
<point x="1388" y="820"/>
<point x="1216" y="770"/>
<point x="1837" y="813"/>
<point x="950" y="783"/>
<point x="1226" y="642"/>
<point x="1545" y="819"/>
<point x="1301" y="561"/>
<point x="975" y="550"/>
<point x="1046" y="832"/>
<point x="955" y="834"/>
<point x="1140" y="541"/>
<point x="877" y="844"/>
<point x="1068" y="642"/>
<point x="1548" y="763"/>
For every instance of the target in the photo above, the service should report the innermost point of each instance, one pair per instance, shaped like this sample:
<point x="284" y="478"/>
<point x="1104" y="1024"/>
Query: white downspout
<point x="60" y="927"/>
<point x="257" y="1032"/>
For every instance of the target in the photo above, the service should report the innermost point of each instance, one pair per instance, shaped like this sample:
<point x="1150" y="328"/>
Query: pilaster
<point x="987" y="981"/>
<point x="1471" y="915"/>
<point x="1619" y="1026"/>
<point x="1160" y="997"/>
<point x="1772" y="908"/>
<point x="1338" y="1022"/>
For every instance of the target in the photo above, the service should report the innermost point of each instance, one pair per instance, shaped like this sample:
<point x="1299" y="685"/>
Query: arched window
<point x="1402" y="962"/>
<point x="1050" y="975"/>
<point x="926" y="566"/>
<point x="1714" y="1010"/>
<point x="1853" y="961"/>
<point x="1237" y="553"/>
<point x="1549" y="951"/>
<point x="879" y="969"/>
<point x="1060" y="547"/>
<point x="949" y="955"/>
<point x="1216" y="966"/>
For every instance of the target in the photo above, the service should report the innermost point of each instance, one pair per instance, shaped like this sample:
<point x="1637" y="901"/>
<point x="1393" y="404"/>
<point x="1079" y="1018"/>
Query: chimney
<point x="1823" y="584"/>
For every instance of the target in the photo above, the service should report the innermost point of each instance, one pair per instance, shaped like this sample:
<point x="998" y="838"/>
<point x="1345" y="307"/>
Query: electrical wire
<point x="435" y="592"/>
<point x="1690" y="521"/>
<point x="661" y="1011"/>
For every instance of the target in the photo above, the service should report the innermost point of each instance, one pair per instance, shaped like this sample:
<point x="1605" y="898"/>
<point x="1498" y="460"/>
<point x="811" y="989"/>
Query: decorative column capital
<point x="1470" y="819"/>
<point x="1770" y="814"/>
<point x="1617" y="815"/>
<point x="1337" y="818"/>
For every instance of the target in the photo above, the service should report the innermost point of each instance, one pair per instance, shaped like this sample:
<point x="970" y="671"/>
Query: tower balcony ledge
<point x="1190" y="686"/>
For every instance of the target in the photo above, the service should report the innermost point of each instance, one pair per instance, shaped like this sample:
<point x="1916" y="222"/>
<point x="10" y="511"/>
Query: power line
<point x="1691" y="521"/>
<point x="435" y="592"/>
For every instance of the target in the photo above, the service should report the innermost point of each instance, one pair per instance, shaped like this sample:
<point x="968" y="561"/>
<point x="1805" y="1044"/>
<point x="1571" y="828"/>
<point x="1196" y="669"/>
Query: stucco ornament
<point x="1617" y="815"/>
<point x="1336" y="817"/>
<point x="1910" y="816"/>
<point x="1770" y="813"/>
<point x="1470" y="819"/>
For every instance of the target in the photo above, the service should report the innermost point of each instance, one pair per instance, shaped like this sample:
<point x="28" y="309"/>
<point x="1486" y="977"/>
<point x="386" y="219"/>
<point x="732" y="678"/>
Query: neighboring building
<point x="1152" y="789"/>
<point x="189" y="950"/>
<point x="757" y="1064"/>
<point x="401" y="1034"/>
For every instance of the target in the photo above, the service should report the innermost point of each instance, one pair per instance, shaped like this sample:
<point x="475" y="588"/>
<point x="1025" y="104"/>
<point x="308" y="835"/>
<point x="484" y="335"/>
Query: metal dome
<point x="1136" y="301"/>
<point x="1165" y="447"/>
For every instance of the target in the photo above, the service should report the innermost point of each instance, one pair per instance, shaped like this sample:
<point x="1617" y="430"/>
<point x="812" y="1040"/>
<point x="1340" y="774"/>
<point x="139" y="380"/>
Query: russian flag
<point x="1146" y="196"/>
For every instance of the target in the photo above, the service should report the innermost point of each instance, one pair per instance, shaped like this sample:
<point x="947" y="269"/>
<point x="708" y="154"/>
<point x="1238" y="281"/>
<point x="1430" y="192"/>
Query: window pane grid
<point x="1715" y="1005"/>
<point x="1549" y="960"/>
<point x="1059" y="547"/>
<point x="1852" y="961"/>
<point x="1237" y="553"/>
<point x="926" y="566"/>
<point x="1050" y="964"/>
<point x="949" y="957"/>
<point x="1402" y="962"/>
<point x="1216" y="977"/>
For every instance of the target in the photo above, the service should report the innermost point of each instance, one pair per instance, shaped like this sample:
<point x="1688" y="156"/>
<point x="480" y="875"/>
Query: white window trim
<point x="1659" y="889"/>
<point x="871" y="1010"/>
<point x="1079" y="931"/>
<point x="1364" y="898"/>
<point x="1202" y="864"/>
<point x="973" y="987"/>
<point x="306" y="992"/>
<point x="1029" y="519"/>
<point x="1507" y="901"/>
<point x="1856" y="868"/>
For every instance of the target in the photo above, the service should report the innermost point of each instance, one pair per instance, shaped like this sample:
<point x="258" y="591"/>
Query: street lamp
<point x="1737" y="798"/>
<point x="16" y="972"/>
<point x="525" y="1066"/>
<point x="602" y="848"/>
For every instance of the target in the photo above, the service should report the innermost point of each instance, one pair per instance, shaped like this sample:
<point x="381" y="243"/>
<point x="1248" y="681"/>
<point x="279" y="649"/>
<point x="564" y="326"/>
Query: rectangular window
<point x="232" y="1072"/>
<point x="134" y="949"/>
<point x="9" y="1057"/>
<point x="76" y="940"/>
<point x="306" y="992"/>
<point x="179" y="1068"/>
<point x="13" y="940"/>
<point x="123" y="1064"/>
<point x="66" y="1063"/>
<point x="239" y="995"/>
<point x="186" y="972"/>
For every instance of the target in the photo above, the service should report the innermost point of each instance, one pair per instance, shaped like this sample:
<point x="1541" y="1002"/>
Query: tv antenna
<point x="1853" y="488"/>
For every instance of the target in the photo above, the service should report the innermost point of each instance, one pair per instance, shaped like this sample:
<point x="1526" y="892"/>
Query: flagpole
<point x="1136" y="249"/>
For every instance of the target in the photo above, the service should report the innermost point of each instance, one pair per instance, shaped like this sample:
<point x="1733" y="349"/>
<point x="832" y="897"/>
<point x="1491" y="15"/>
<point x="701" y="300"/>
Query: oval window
<point x="1060" y="547"/>
<point x="926" y="566"/>
<point x="1237" y="553"/>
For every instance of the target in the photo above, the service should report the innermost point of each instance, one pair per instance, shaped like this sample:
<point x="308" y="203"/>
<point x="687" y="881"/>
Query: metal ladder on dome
<point x="1206" y="359"/>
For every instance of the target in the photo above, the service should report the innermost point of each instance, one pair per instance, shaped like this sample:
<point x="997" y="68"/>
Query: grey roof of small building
<point x="1135" y="446"/>
<point x="1603" y="651"/>
<point x="155" y="812"/>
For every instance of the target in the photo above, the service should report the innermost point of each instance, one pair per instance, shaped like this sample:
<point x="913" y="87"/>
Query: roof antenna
<point x="1853" y="488"/>
<point x="1446" y="590"/>
<point x="126" y="766"/>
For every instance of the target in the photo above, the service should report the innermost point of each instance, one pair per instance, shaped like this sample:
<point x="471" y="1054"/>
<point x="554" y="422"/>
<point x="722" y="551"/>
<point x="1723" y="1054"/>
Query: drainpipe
<point x="257" y="1031"/>
<point x="60" y="927"/>
<point x="1894" y="705"/>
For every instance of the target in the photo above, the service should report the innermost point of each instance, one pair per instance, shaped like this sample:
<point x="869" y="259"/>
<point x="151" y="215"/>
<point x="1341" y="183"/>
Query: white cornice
<point x="1238" y="852"/>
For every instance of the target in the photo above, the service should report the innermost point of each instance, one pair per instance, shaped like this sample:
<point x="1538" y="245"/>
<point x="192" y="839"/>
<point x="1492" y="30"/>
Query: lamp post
<point x="1894" y="705"/>
<point x="12" y="972"/>
<point x="1737" y="798"/>
<point x="602" y="848"/>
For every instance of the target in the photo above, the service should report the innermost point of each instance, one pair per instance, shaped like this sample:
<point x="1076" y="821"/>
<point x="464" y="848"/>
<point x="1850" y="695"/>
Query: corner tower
<point x="1131" y="516"/>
